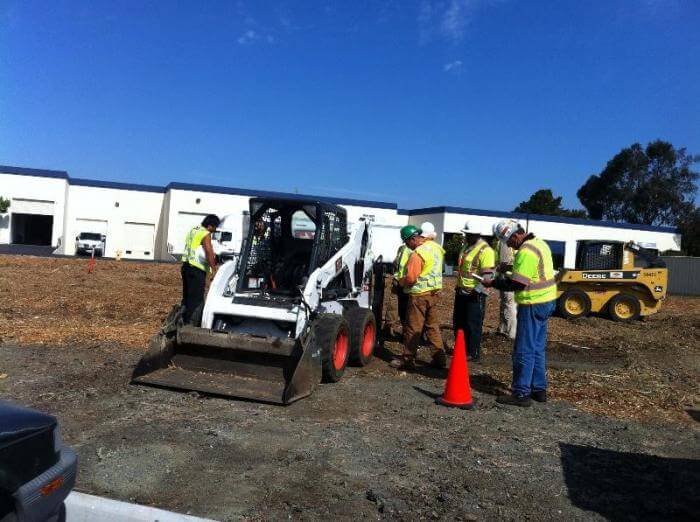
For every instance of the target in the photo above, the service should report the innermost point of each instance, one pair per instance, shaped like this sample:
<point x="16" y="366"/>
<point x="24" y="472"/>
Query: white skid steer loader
<point x="303" y="300"/>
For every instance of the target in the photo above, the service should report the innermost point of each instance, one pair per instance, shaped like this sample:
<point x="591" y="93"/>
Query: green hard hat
<point x="409" y="231"/>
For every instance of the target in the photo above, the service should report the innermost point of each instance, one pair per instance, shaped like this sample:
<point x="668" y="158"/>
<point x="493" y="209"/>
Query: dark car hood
<point x="17" y="422"/>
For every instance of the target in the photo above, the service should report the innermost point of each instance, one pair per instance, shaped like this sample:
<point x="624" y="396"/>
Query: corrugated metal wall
<point x="683" y="275"/>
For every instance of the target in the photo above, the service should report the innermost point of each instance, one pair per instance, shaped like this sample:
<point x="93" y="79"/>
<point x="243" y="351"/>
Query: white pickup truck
<point x="87" y="242"/>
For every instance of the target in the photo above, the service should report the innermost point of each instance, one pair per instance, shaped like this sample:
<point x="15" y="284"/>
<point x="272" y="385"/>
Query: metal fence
<point x="683" y="275"/>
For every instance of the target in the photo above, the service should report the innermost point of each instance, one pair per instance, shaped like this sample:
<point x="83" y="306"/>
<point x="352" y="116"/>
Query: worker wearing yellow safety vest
<point x="476" y="258"/>
<point x="197" y="260"/>
<point x="423" y="280"/>
<point x="507" y="310"/>
<point x="400" y="262"/>
<point x="535" y="290"/>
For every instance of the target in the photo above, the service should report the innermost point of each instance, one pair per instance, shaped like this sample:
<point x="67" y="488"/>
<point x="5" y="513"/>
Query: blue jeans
<point x="529" y="366"/>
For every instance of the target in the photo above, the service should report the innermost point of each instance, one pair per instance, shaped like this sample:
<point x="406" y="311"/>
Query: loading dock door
<point x="138" y="240"/>
<point x="31" y="229"/>
<point x="184" y="222"/>
<point x="31" y="221"/>
<point x="98" y="226"/>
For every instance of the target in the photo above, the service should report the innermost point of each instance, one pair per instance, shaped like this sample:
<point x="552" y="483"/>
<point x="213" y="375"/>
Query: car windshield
<point x="90" y="236"/>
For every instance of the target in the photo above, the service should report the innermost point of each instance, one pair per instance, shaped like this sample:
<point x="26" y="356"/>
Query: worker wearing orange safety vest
<point x="476" y="258"/>
<point x="423" y="281"/>
<point x="535" y="289"/>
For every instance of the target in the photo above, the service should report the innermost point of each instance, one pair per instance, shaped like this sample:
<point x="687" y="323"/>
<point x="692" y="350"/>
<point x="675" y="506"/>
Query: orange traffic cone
<point x="458" y="393"/>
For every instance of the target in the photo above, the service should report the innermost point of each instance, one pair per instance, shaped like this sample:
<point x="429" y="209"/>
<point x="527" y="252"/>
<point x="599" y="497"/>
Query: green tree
<point x="689" y="226"/>
<point x="653" y="185"/>
<point x="453" y="246"/>
<point x="543" y="202"/>
<point x="4" y="205"/>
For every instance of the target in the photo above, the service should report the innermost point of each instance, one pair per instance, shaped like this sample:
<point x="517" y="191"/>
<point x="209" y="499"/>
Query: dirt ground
<point x="619" y="440"/>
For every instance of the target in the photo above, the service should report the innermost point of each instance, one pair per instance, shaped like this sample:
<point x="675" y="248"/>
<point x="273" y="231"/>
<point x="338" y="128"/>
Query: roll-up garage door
<point x="98" y="226"/>
<point x="138" y="240"/>
<point x="183" y="223"/>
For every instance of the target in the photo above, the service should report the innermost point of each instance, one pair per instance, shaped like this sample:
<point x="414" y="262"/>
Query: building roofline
<point x="61" y="174"/>
<point x="41" y="173"/>
<point x="81" y="182"/>
<point x="273" y="194"/>
<point x="540" y="217"/>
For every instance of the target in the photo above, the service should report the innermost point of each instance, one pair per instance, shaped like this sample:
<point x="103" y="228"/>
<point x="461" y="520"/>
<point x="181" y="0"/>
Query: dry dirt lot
<point x="618" y="440"/>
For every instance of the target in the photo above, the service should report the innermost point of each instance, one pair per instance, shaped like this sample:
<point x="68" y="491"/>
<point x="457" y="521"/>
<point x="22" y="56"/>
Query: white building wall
<point x="188" y="207"/>
<point x="126" y="216"/>
<point x="384" y="216"/>
<point x="39" y="189"/>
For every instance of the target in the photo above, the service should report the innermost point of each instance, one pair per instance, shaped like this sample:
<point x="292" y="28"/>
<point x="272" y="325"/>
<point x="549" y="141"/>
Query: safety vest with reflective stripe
<point x="402" y="255"/>
<point x="430" y="278"/>
<point x="476" y="259"/>
<point x="192" y="241"/>
<point x="400" y="262"/>
<point x="533" y="267"/>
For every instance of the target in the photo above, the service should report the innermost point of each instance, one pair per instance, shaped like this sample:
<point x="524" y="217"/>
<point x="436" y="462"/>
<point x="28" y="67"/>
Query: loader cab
<point x="287" y="240"/>
<point x="616" y="255"/>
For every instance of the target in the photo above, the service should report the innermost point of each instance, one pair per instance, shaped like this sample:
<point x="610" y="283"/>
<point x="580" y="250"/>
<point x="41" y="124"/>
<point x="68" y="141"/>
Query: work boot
<point x="473" y="359"/>
<point x="403" y="363"/>
<point x="439" y="360"/>
<point x="539" y="395"/>
<point x="514" y="400"/>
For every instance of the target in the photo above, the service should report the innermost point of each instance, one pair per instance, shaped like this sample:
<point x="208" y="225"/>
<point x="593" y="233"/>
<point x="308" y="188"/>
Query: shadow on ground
<point x="631" y="486"/>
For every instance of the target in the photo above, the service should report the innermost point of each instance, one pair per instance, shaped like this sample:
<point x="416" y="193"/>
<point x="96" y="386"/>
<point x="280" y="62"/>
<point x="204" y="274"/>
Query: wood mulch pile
<point x="645" y="370"/>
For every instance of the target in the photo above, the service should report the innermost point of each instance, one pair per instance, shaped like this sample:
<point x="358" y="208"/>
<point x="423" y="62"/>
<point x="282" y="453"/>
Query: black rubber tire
<point x="574" y="293"/>
<point x="358" y="319"/>
<point x="631" y="301"/>
<point x="327" y="329"/>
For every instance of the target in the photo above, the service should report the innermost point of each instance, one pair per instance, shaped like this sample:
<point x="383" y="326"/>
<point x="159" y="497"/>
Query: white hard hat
<point x="427" y="229"/>
<point x="505" y="228"/>
<point x="467" y="229"/>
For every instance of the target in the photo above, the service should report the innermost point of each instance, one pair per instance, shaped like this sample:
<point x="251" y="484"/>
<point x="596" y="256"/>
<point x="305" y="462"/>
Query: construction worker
<point x="197" y="261"/>
<point x="535" y="289"/>
<point x="423" y="280"/>
<point x="400" y="262"/>
<point x="507" y="309"/>
<point x="476" y="257"/>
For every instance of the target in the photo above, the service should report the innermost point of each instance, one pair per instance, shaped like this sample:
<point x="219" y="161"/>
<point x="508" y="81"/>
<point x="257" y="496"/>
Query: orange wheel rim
<point x="340" y="350"/>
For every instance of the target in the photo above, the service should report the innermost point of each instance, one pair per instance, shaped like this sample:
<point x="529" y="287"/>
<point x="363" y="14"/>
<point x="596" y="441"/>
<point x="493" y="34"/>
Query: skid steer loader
<point x="623" y="279"/>
<point x="303" y="300"/>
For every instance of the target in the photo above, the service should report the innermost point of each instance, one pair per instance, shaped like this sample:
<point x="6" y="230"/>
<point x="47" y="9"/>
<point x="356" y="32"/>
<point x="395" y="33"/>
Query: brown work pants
<point x="421" y="314"/>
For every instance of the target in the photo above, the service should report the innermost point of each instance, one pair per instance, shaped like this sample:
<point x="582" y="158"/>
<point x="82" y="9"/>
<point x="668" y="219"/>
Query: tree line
<point x="652" y="185"/>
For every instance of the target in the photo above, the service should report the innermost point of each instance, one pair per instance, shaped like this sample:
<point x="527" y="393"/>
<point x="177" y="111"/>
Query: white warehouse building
<point x="50" y="208"/>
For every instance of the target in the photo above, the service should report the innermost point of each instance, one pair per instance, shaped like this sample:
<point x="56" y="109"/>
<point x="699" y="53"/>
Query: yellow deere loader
<point x="622" y="279"/>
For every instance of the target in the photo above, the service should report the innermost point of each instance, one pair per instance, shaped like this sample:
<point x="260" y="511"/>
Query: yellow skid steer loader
<point x="623" y="279"/>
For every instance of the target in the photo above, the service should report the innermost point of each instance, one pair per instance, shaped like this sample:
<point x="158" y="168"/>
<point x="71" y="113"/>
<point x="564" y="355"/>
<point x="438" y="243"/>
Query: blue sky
<point x="473" y="103"/>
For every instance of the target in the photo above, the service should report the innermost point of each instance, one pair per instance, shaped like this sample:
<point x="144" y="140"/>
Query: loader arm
<point x="360" y="240"/>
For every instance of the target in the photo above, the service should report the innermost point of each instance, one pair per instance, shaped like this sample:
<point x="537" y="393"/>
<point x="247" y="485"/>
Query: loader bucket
<point x="266" y="369"/>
